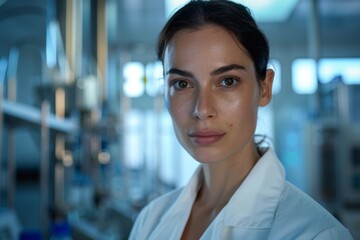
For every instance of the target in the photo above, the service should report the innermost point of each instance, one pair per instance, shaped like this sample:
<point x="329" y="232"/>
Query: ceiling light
<point x="262" y="10"/>
<point x="270" y="10"/>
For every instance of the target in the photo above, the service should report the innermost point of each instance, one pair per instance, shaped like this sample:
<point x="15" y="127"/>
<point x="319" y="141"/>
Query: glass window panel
<point x="154" y="77"/>
<point x="3" y="67"/>
<point x="347" y="68"/>
<point x="275" y="65"/>
<point x="133" y="139"/>
<point x="133" y="73"/>
<point x="265" y="123"/>
<point x="304" y="80"/>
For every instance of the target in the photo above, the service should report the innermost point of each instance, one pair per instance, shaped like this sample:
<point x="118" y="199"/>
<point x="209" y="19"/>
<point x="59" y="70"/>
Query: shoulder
<point x="159" y="205"/>
<point x="304" y="218"/>
<point x="151" y="214"/>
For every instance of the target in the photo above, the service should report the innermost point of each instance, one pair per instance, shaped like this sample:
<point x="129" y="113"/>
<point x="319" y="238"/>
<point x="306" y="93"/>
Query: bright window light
<point x="3" y="67"/>
<point x="134" y="139"/>
<point x="51" y="38"/>
<point x="275" y="65"/>
<point x="347" y="68"/>
<point x="133" y="73"/>
<point x="304" y="72"/>
<point x="172" y="5"/>
<point x="154" y="78"/>
<point x="304" y="80"/>
<point x="262" y="10"/>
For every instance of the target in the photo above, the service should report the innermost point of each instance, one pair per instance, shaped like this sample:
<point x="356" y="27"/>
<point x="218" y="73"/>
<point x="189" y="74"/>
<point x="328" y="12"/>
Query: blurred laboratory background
<point x="85" y="138"/>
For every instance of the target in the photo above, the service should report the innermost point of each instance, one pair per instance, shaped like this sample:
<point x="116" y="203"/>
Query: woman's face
<point x="212" y="93"/>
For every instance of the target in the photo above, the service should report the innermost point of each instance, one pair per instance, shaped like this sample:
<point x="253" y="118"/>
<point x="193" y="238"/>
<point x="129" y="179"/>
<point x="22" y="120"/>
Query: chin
<point x="206" y="156"/>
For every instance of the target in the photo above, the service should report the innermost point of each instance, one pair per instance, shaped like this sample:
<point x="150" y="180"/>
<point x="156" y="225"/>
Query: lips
<point x="205" y="137"/>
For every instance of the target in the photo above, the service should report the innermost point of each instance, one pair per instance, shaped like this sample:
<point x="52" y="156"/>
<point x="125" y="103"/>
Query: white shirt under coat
<point x="265" y="206"/>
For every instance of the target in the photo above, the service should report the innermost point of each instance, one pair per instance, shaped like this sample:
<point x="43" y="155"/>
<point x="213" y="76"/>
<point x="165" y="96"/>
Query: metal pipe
<point x="1" y="137"/>
<point x="102" y="48"/>
<point x="314" y="30"/>
<point x="11" y="167"/>
<point x="314" y="40"/>
<point x="44" y="168"/>
<point x="12" y="96"/>
<point x="3" y="67"/>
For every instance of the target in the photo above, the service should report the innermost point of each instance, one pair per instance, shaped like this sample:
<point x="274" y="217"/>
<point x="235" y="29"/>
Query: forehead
<point x="209" y="43"/>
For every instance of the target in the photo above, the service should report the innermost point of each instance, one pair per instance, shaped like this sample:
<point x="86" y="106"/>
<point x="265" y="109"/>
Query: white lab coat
<point x="265" y="206"/>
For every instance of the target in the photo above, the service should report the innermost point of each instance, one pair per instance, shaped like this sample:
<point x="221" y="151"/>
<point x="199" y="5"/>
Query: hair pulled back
<point x="233" y="17"/>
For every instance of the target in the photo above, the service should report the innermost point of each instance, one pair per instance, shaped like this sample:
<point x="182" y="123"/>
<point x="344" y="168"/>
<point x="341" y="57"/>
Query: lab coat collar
<point x="188" y="195"/>
<point x="254" y="204"/>
<point x="180" y="211"/>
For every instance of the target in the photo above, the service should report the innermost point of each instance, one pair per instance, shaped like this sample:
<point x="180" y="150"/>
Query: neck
<point x="221" y="180"/>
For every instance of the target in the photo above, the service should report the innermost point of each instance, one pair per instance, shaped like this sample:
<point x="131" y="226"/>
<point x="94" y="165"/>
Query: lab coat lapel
<point x="254" y="203"/>
<point x="251" y="210"/>
<point x="173" y="222"/>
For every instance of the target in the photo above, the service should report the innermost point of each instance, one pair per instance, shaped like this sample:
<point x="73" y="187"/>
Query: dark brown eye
<point x="228" y="82"/>
<point x="181" y="84"/>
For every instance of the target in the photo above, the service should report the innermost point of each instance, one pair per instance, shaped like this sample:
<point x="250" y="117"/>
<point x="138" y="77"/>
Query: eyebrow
<point x="227" y="68"/>
<point x="217" y="71"/>
<point x="179" y="72"/>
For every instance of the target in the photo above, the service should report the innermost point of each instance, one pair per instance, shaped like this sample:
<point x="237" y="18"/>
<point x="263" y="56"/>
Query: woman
<point x="215" y="68"/>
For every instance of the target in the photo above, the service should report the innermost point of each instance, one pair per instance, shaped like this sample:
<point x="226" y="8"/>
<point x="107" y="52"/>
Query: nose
<point x="204" y="106"/>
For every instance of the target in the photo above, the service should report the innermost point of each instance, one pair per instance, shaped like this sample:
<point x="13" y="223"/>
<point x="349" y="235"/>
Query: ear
<point x="266" y="88"/>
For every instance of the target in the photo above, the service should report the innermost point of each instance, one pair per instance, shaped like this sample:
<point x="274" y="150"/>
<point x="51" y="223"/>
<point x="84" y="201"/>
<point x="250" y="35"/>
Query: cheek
<point x="241" y="112"/>
<point x="180" y="120"/>
<point x="178" y="109"/>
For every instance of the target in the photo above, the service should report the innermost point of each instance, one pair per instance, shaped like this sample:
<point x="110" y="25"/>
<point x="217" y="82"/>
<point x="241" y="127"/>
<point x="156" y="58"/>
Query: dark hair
<point x="234" y="17"/>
